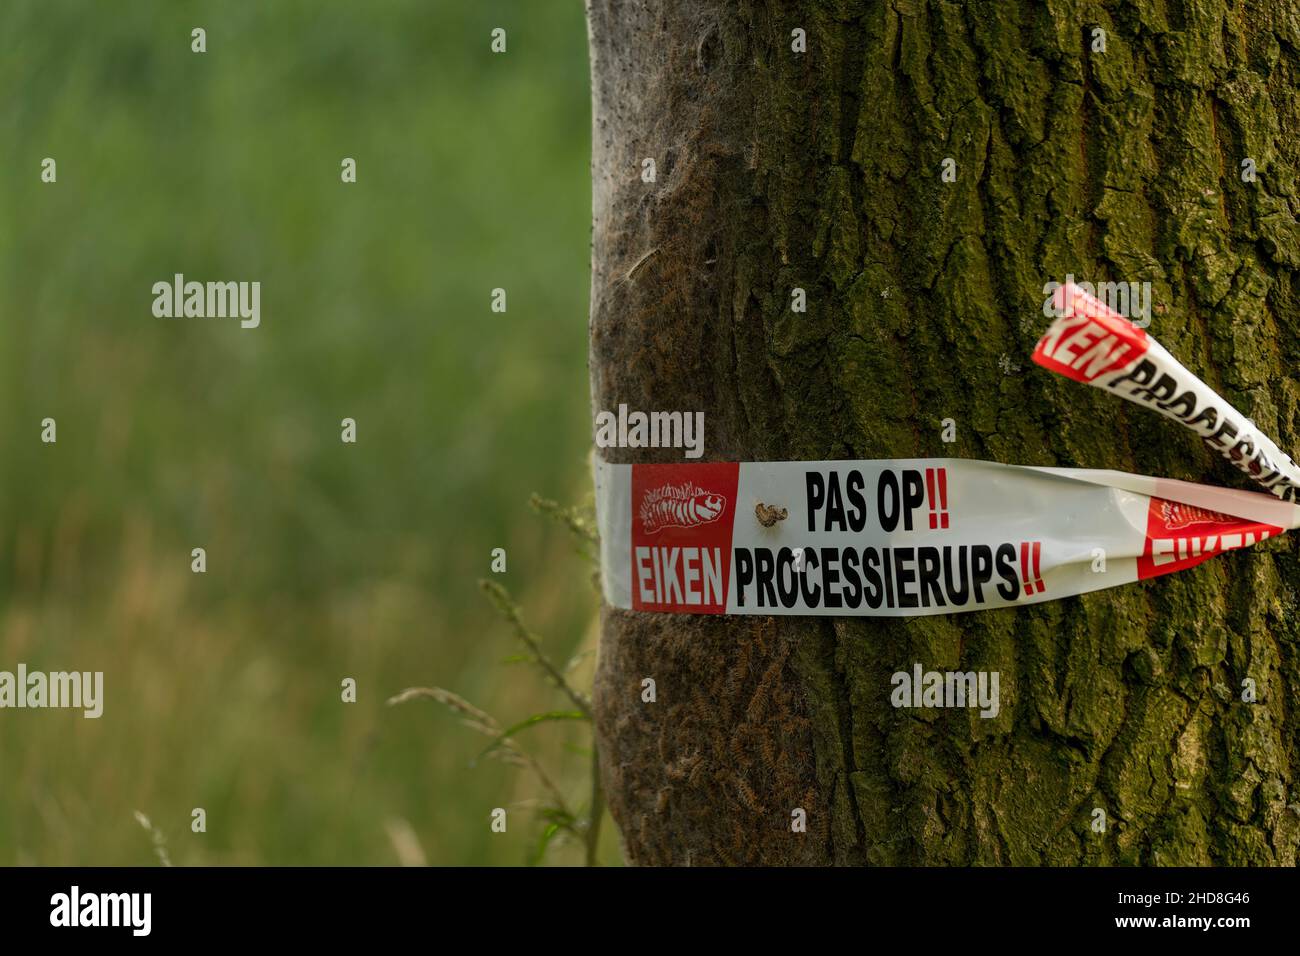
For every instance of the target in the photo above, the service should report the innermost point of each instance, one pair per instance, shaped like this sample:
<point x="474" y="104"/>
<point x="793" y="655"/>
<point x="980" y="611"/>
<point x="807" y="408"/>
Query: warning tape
<point x="907" y="537"/>
<point x="1091" y="343"/>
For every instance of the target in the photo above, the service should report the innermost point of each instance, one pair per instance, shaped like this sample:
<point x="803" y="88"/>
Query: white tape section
<point x="902" y="537"/>
<point x="1092" y="343"/>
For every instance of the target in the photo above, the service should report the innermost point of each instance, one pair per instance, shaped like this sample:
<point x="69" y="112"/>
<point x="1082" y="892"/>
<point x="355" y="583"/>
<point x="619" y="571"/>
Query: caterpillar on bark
<point x="679" y="506"/>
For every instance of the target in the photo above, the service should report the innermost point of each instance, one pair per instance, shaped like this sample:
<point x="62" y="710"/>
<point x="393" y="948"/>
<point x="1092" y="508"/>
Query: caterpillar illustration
<point x="1177" y="515"/>
<point x="679" y="506"/>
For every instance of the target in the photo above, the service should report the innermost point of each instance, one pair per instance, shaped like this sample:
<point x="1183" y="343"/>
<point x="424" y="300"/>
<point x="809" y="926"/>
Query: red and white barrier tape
<point x="936" y="536"/>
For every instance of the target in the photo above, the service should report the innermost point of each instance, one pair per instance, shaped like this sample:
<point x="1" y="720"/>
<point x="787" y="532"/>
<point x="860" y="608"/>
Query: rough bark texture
<point x="822" y="171"/>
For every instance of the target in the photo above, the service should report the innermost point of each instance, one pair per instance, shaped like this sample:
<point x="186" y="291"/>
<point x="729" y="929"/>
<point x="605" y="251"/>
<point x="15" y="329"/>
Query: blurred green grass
<point x="325" y="560"/>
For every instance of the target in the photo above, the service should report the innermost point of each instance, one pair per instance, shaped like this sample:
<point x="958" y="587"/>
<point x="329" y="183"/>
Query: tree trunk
<point x="823" y="171"/>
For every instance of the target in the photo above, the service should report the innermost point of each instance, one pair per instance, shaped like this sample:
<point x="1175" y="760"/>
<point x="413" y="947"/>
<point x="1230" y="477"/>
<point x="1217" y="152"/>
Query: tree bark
<point x="822" y="170"/>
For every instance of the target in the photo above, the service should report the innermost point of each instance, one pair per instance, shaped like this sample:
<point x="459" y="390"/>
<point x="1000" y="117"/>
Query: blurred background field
<point x="325" y="560"/>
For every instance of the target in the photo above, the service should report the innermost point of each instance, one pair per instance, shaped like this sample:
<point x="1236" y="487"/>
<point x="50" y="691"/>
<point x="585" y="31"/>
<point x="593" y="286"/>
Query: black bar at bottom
<point x="437" y="906"/>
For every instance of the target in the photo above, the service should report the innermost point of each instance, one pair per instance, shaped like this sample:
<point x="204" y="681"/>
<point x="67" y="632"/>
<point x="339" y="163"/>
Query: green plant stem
<point x="506" y="605"/>
<point x="597" y="805"/>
